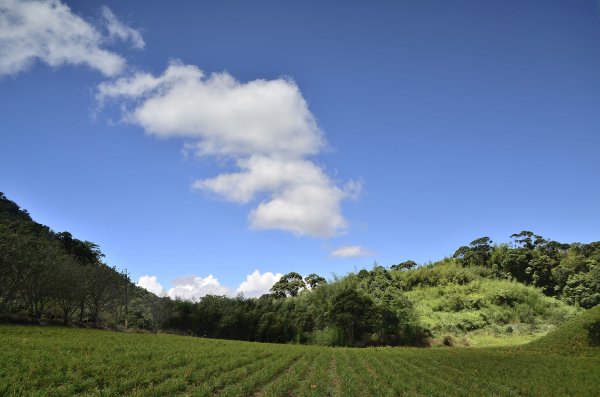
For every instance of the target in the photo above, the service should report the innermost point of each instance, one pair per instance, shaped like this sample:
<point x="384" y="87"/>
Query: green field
<point x="52" y="361"/>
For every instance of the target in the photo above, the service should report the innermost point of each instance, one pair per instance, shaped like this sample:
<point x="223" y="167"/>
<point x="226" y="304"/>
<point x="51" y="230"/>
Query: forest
<point x="52" y="277"/>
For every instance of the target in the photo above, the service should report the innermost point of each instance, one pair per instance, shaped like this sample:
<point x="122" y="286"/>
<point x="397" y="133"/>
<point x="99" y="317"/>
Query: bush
<point x="594" y="333"/>
<point x="448" y="341"/>
<point x="329" y="336"/>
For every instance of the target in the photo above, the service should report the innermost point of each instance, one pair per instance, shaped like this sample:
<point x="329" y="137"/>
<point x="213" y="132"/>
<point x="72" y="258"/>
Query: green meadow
<point x="59" y="361"/>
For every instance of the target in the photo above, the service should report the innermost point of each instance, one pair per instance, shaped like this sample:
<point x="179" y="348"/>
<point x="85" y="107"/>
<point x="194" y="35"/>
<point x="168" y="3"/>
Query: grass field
<point x="53" y="361"/>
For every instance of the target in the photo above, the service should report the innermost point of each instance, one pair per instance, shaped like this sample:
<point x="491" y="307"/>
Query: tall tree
<point x="314" y="280"/>
<point x="351" y="311"/>
<point x="288" y="285"/>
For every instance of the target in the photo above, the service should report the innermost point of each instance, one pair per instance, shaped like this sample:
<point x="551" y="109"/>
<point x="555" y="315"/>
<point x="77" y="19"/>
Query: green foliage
<point x="487" y="304"/>
<point x="54" y="277"/>
<point x="404" y="265"/>
<point x="476" y="254"/>
<point x="11" y="212"/>
<point x="314" y="280"/>
<point x="568" y="271"/>
<point x="447" y="271"/>
<point x="340" y="313"/>
<point x="289" y="285"/>
<point x="351" y="311"/>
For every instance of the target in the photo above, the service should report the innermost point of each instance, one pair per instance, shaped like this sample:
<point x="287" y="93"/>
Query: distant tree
<point x="314" y="280"/>
<point x="288" y="285"/>
<point x="103" y="286"/>
<point x="70" y="286"/>
<point x="461" y="253"/>
<point x="539" y="270"/>
<point x="11" y="212"/>
<point x="38" y="282"/>
<point x="351" y="311"/>
<point x="528" y="240"/>
<point x="12" y="264"/>
<point x="478" y="252"/>
<point x="481" y="249"/>
<point x="160" y="310"/>
<point x="83" y="251"/>
<point x="406" y="265"/>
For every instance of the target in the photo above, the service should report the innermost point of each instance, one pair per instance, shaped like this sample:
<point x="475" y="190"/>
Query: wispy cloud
<point x="350" y="251"/>
<point x="117" y="30"/>
<point x="47" y="30"/>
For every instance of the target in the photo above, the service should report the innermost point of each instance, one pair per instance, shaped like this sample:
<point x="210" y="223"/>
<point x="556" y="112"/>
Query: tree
<point x="478" y="252"/>
<point x="70" y="286"/>
<point x="527" y="239"/>
<point x="40" y="255"/>
<point x="351" y="311"/>
<point x="103" y="285"/>
<point x="481" y="250"/>
<point x="406" y="265"/>
<point x="12" y="264"/>
<point x="314" y="280"/>
<point x="288" y="285"/>
<point x="160" y="310"/>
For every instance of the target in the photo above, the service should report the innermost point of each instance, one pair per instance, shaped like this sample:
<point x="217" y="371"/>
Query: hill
<point x="475" y="308"/>
<point x="581" y="332"/>
<point x="48" y="277"/>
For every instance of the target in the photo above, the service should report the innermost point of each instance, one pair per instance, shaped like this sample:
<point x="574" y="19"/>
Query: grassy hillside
<point x="52" y="361"/>
<point x="475" y="308"/>
<point x="581" y="332"/>
<point x="488" y="311"/>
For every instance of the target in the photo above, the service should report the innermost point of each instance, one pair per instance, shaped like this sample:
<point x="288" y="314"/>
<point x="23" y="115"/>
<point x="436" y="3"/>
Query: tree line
<point x="353" y="311"/>
<point x="53" y="277"/>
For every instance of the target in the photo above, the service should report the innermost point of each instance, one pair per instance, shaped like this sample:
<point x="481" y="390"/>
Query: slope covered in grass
<point x="49" y="361"/>
<point x="476" y="308"/>
<point x="580" y="332"/>
<point x="500" y="305"/>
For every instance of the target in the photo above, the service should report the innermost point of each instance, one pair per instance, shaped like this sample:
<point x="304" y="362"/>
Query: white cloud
<point x="350" y="251"/>
<point x="118" y="30"/>
<point x="257" y="284"/>
<point x="194" y="287"/>
<point x="226" y="116"/>
<point x="48" y="31"/>
<point x="302" y="199"/>
<point x="151" y="284"/>
<point x="265" y="126"/>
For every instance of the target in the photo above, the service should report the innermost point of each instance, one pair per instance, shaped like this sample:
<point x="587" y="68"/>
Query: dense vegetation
<point x="569" y="271"/>
<point x="90" y="362"/>
<point x="527" y="286"/>
<point x="49" y="276"/>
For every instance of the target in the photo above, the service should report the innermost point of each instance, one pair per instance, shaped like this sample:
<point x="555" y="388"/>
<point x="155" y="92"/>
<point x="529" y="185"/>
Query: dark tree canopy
<point x="406" y="265"/>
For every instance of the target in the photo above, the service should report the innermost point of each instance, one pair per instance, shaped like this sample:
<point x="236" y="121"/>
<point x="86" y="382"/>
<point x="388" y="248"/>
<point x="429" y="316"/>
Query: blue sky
<point x="384" y="131"/>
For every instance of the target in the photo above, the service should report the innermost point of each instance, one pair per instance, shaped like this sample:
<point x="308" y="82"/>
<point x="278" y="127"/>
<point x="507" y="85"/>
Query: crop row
<point x="59" y="362"/>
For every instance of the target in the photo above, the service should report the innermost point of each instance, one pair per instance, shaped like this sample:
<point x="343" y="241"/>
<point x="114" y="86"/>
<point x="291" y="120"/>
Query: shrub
<point x="594" y="333"/>
<point x="329" y="336"/>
